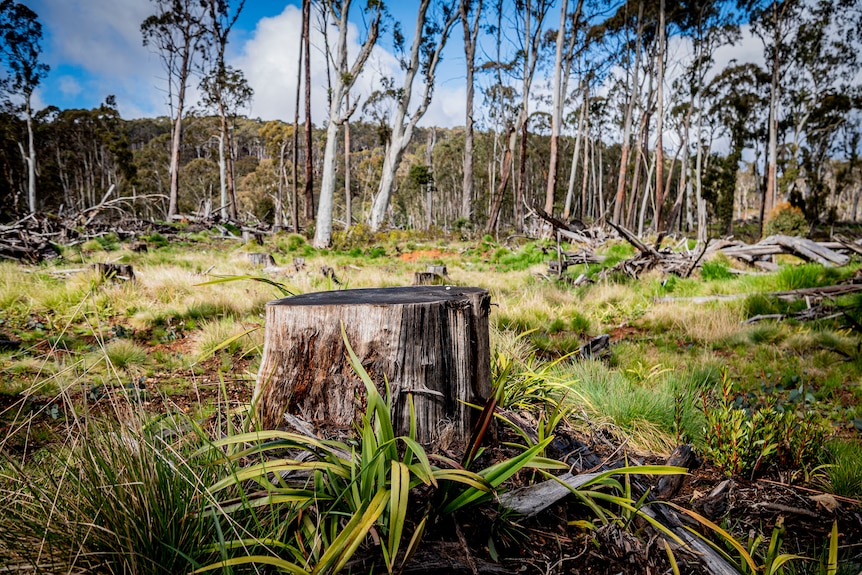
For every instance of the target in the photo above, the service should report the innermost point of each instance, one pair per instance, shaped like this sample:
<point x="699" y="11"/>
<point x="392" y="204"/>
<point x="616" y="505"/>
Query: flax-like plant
<point x="336" y="493"/>
<point x="611" y="501"/>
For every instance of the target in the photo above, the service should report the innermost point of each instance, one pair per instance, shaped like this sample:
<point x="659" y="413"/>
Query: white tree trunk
<point x="323" y="228"/>
<point x="344" y="80"/>
<point x="222" y="176"/>
<point x="31" y="160"/>
<point x="401" y="132"/>
<point x="557" y="110"/>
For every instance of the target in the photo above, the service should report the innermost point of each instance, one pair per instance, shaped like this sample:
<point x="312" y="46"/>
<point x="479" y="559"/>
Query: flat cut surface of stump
<point x="429" y="342"/>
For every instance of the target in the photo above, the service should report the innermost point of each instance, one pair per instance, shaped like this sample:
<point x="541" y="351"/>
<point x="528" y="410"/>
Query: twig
<point x="809" y="490"/>
<point x="789" y="509"/>
<point x="467" y="555"/>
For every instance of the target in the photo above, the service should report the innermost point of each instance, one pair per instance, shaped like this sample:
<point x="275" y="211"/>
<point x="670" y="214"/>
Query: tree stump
<point x="261" y="259"/>
<point x="123" y="272"/>
<point x="428" y="342"/>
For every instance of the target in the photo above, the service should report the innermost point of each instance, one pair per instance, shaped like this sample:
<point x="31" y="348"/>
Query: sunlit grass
<point x="704" y="323"/>
<point x="845" y="471"/>
<point x="123" y="353"/>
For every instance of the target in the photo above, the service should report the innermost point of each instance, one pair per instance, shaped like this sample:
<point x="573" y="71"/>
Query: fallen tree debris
<point x="823" y="253"/>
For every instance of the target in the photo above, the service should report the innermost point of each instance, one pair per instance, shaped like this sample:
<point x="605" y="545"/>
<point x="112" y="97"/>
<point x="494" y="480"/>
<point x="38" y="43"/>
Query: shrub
<point x="744" y="439"/>
<point x="785" y="219"/>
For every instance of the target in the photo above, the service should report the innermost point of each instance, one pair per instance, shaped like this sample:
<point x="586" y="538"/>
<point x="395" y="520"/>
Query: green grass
<point x="124" y="353"/>
<point x="118" y="499"/>
<point x="845" y="467"/>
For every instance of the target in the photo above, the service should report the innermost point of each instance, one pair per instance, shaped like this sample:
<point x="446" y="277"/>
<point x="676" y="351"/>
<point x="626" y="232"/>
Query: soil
<point x="425" y="255"/>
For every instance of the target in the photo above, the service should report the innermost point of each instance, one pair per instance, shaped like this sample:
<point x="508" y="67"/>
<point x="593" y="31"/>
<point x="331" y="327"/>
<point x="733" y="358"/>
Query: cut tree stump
<point x="428" y="342"/>
<point x="123" y="272"/>
<point x="261" y="259"/>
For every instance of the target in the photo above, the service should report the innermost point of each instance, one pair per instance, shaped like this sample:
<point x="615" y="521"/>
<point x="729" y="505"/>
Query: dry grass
<point x="705" y="323"/>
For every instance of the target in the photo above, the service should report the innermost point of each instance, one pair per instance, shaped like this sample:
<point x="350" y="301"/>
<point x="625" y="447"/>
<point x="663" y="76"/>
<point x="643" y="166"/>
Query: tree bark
<point x="470" y="37"/>
<point x="31" y="160"/>
<point x="295" y="135"/>
<point x="570" y="192"/>
<point x="659" y="127"/>
<point x="627" y="123"/>
<point x="557" y="110"/>
<point x="428" y="342"/>
<point x="309" y="166"/>
<point x="348" y="200"/>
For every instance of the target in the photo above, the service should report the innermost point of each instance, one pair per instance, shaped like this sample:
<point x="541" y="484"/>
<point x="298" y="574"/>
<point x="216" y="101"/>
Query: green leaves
<point x="368" y="484"/>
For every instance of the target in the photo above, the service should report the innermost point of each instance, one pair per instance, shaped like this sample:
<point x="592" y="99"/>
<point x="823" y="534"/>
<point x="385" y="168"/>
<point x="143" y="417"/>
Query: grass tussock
<point x="123" y="353"/>
<point x="123" y="498"/>
<point x="229" y="336"/>
<point x="705" y="324"/>
<point x="844" y="474"/>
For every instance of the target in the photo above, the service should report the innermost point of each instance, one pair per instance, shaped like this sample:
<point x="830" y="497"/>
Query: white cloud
<point x="95" y="48"/>
<point x="103" y="39"/>
<point x="69" y="86"/>
<point x="269" y="59"/>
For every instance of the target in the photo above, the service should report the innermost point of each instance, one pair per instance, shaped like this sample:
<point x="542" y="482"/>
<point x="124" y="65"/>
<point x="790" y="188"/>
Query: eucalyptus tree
<point x="226" y="90"/>
<point x="820" y="86"/>
<point x="774" y="23"/>
<point x="563" y="58"/>
<point x="20" y="49"/>
<point x="736" y="96"/>
<point x="341" y="80"/>
<point x="708" y="25"/>
<point x="471" y="33"/>
<point x="429" y="39"/>
<point x="529" y="20"/>
<point x="177" y="31"/>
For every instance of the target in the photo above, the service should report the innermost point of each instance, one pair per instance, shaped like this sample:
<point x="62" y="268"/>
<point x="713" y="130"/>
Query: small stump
<point x="261" y="259"/>
<point x="430" y="343"/>
<point x="124" y="272"/>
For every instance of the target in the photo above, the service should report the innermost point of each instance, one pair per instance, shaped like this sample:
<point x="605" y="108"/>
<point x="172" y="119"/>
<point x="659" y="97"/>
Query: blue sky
<point x="94" y="49"/>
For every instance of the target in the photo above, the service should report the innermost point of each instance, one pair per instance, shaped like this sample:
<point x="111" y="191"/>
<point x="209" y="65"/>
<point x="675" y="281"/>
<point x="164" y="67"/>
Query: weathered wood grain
<point x="428" y="342"/>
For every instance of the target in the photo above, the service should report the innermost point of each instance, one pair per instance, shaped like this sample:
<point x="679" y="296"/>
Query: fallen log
<point x="791" y="295"/>
<point x="804" y="248"/>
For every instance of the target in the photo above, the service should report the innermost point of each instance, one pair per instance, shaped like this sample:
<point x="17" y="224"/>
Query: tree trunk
<point x="470" y="36"/>
<point x="428" y="342"/>
<point x="570" y="192"/>
<point x="627" y="123"/>
<point x="222" y="177"/>
<point x="497" y="203"/>
<point x="278" y="223"/>
<point x="772" y="154"/>
<point x="295" y="135"/>
<point x="659" y="127"/>
<point x="348" y="208"/>
<point x="557" y="110"/>
<point x="522" y="179"/>
<point x="31" y="160"/>
<point x="309" y="167"/>
<point x="429" y="186"/>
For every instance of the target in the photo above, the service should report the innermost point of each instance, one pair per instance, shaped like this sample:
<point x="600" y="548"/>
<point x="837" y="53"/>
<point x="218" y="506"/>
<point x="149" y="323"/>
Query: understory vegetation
<point x="128" y="445"/>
